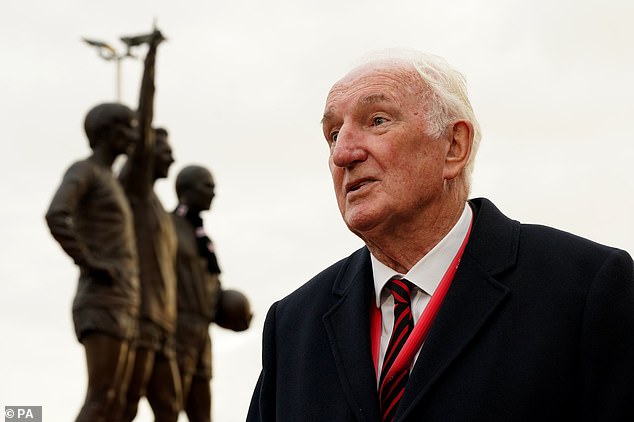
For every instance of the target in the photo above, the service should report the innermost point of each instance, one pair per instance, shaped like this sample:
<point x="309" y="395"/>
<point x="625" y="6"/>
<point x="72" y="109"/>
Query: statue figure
<point x="155" y="374"/>
<point x="201" y="300"/>
<point x="90" y="218"/>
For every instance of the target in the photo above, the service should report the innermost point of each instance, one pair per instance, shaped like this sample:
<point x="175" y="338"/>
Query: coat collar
<point x="348" y="327"/>
<point x="471" y="300"/>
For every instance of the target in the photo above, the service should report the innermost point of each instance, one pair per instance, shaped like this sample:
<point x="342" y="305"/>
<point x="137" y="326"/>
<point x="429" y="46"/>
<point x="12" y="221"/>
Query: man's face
<point x="163" y="158"/>
<point x="387" y="172"/>
<point x="201" y="192"/>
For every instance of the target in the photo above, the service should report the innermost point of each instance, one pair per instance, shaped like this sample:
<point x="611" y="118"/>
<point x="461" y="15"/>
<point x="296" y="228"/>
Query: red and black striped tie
<point x="391" y="389"/>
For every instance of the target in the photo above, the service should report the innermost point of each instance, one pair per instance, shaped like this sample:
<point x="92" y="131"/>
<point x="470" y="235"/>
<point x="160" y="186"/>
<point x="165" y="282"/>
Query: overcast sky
<point x="241" y="87"/>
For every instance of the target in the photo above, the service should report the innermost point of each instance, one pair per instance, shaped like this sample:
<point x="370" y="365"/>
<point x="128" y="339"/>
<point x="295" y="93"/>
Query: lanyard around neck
<point x="418" y="335"/>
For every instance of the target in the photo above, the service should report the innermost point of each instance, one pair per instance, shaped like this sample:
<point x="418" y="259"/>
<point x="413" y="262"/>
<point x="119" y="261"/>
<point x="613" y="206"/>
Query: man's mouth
<point x="357" y="184"/>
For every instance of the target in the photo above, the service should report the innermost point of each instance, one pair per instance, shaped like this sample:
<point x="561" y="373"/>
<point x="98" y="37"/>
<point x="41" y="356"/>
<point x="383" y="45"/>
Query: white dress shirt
<point x="425" y="275"/>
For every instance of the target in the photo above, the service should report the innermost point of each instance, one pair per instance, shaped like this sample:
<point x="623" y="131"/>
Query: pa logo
<point x="23" y="413"/>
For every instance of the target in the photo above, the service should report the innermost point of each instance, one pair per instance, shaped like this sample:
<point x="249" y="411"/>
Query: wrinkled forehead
<point x="395" y="81"/>
<point x="396" y="73"/>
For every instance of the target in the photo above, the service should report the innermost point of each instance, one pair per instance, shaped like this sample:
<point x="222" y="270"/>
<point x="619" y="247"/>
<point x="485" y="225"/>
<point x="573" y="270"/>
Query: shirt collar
<point x="429" y="270"/>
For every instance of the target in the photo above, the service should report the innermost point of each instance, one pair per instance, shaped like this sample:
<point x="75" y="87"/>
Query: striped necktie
<point x="391" y="388"/>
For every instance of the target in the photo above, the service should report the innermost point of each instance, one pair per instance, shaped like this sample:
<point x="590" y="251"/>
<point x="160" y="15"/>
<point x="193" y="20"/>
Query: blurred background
<point x="241" y="87"/>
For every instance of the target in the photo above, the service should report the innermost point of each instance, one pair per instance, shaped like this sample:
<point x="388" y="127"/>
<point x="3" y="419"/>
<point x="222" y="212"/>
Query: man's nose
<point x="349" y="148"/>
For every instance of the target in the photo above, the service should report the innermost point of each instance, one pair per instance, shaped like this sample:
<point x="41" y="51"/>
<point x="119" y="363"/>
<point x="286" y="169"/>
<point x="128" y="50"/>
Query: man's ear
<point x="461" y="139"/>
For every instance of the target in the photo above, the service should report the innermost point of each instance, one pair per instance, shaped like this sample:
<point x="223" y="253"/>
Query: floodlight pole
<point x="118" y="77"/>
<point x="107" y="52"/>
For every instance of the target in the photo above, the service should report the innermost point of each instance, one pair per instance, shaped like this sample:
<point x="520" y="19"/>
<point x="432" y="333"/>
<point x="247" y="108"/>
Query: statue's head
<point x="114" y="123"/>
<point x="195" y="187"/>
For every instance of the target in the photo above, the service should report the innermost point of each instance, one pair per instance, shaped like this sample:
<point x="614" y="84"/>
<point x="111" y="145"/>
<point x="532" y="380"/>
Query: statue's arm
<point x="59" y="217"/>
<point x="137" y="174"/>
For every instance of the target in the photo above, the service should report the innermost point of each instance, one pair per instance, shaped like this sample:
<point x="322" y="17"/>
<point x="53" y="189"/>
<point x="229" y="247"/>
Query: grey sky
<point x="241" y="87"/>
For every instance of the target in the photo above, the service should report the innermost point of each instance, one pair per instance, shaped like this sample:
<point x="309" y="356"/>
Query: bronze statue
<point x="201" y="299"/>
<point x="155" y="373"/>
<point x="90" y="218"/>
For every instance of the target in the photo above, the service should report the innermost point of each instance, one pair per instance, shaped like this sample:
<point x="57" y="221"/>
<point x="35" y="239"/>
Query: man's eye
<point x="378" y="121"/>
<point x="333" y="137"/>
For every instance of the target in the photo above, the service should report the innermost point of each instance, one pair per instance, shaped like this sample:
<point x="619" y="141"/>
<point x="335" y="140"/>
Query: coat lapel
<point x="471" y="300"/>
<point x="348" y="327"/>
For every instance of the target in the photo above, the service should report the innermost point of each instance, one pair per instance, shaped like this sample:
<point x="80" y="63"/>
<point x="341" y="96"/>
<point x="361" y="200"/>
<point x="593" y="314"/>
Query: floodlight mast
<point x="107" y="52"/>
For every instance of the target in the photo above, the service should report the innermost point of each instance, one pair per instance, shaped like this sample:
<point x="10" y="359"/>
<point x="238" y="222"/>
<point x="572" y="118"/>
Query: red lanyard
<point x="416" y="339"/>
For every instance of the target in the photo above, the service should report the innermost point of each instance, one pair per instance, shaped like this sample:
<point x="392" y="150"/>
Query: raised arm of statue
<point x="137" y="174"/>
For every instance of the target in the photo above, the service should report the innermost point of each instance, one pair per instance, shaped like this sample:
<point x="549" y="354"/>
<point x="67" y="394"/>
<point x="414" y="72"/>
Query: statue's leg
<point x="105" y="360"/>
<point x="126" y="377"/>
<point x="198" y="404"/>
<point x="140" y="375"/>
<point x="164" y="389"/>
<point x="186" y="381"/>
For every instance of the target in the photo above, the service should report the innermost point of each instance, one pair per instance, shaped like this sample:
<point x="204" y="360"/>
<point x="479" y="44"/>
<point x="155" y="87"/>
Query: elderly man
<point x="452" y="311"/>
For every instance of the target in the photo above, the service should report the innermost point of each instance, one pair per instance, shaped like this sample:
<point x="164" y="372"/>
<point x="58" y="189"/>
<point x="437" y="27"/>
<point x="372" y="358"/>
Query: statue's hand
<point x="156" y="37"/>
